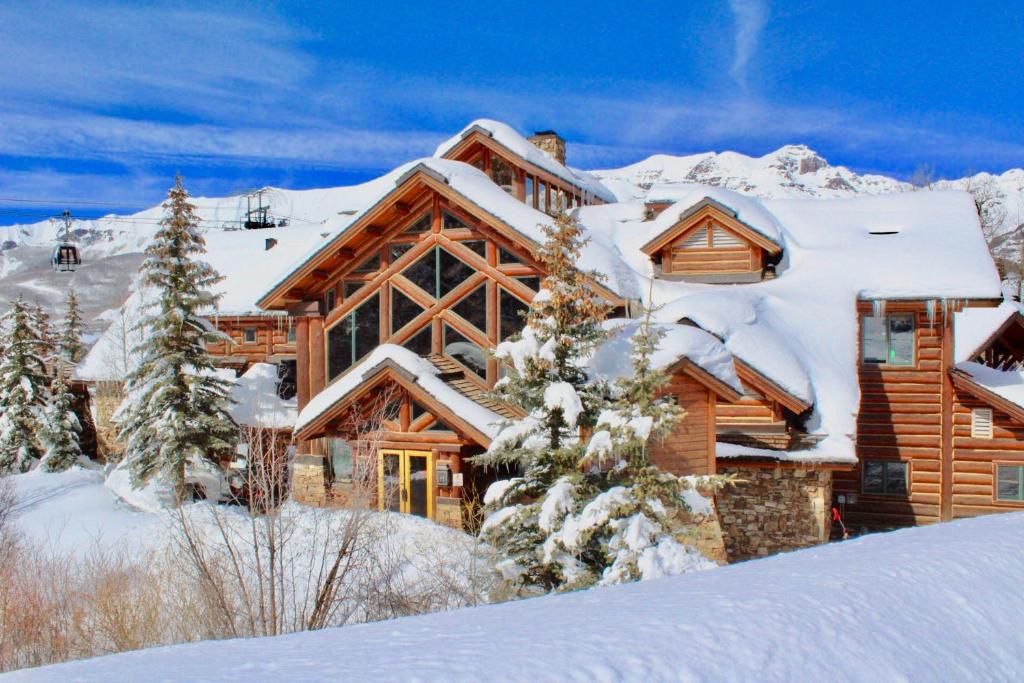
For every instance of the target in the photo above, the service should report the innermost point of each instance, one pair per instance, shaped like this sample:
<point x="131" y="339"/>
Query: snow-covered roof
<point x="509" y="138"/>
<point x="972" y="327"/>
<point x="257" y="403"/>
<point x="611" y="360"/>
<point x="478" y="189"/>
<point x="800" y="329"/>
<point x="748" y="210"/>
<point x="247" y="266"/>
<point x="1008" y="384"/>
<point x="423" y="373"/>
<point x="240" y="256"/>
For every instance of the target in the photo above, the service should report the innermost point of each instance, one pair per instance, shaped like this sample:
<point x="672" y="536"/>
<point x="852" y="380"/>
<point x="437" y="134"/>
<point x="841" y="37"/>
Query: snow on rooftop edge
<point x="478" y="189"/>
<point x="426" y="376"/>
<point x="1006" y="383"/>
<point x="973" y="326"/>
<point x="612" y="360"/>
<point x="510" y="138"/>
<point x="796" y="616"/>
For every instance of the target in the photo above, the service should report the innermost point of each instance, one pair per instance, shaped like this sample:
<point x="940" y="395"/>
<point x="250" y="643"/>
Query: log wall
<point x="974" y="459"/>
<point x="900" y="418"/>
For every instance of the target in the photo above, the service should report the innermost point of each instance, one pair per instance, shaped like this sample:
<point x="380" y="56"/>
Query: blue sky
<point x="105" y="101"/>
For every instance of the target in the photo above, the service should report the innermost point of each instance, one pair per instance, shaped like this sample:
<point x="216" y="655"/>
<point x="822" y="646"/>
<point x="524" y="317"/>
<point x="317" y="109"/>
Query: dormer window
<point x="710" y="244"/>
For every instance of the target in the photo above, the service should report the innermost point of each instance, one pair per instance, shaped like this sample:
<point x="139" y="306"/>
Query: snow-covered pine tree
<point x="622" y="525"/>
<point x="61" y="429"/>
<point x="548" y="382"/>
<point x="70" y="342"/>
<point x="22" y="390"/>
<point x="175" y="409"/>
<point x="47" y="341"/>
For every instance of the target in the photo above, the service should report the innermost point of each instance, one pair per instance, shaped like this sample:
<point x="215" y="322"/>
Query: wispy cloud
<point x="749" y="17"/>
<point x="131" y="92"/>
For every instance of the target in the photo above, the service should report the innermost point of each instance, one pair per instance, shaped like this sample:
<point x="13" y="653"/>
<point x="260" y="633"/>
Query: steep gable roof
<point x="707" y="207"/>
<point x="515" y="145"/>
<point x="417" y="375"/>
<point x="475" y="193"/>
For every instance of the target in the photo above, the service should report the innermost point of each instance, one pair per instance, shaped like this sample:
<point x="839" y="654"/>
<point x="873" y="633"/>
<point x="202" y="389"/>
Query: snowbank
<point x="937" y="603"/>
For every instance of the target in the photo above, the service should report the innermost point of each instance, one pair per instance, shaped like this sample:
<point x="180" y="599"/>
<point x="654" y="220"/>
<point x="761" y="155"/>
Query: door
<point x="404" y="482"/>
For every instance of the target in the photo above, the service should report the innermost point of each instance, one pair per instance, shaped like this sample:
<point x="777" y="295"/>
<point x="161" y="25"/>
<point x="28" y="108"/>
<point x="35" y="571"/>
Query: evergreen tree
<point x="548" y="383"/>
<point x="70" y="343"/>
<point x="175" y="407"/>
<point x="620" y="525"/>
<point x="22" y="390"/>
<point x="43" y="331"/>
<point x="61" y="429"/>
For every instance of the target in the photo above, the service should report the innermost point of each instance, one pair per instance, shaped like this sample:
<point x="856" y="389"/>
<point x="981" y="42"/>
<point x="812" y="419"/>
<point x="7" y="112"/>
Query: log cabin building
<point x="848" y="353"/>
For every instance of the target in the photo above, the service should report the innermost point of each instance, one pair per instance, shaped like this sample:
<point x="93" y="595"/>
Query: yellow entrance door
<point x="405" y="482"/>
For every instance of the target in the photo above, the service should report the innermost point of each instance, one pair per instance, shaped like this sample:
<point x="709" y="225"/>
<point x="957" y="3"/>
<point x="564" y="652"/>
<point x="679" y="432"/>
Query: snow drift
<point x="938" y="603"/>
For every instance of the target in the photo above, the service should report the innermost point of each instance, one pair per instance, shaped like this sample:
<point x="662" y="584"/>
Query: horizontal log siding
<point x="271" y="340"/>
<point x="708" y="261"/>
<point x="974" y="460"/>
<point x="900" y="418"/>
<point x="749" y="410"/>
<point x="689" y="449"/>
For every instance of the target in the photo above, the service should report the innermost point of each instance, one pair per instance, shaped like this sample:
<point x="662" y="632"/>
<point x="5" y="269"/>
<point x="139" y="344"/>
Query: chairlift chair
<point x="65" y="257"/>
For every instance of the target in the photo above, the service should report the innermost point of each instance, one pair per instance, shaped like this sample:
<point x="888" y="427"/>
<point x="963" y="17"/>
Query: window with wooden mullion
<point x="378" y="280"/>
<point x="422" y="422"/>
<point x="465" y="328"/>
<point x="412" y="328"/>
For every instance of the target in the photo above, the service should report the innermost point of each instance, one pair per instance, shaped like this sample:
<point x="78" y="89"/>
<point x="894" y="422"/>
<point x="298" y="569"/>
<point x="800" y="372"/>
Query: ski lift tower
<point x="257" y="216"/>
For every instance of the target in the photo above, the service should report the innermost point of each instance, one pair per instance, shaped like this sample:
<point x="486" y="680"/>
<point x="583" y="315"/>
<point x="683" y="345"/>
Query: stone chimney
<point x="551" y="142"/>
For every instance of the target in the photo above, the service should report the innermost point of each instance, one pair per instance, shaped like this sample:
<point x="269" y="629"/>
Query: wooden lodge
<point x="849" y="354"/>
<point x="442" y="265"/>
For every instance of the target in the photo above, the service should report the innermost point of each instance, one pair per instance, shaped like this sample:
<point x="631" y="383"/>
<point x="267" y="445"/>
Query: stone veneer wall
<point x="309" y="481"/>
<point x="704" y="532"/>
<point x="773" y="509"/>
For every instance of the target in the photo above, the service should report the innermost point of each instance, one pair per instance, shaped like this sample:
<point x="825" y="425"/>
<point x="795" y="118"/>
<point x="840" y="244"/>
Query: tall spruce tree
<point x="548" y="382"/>
<point x="61" y="429"/>
<point x="43" y="330"/>
<point x="175" y="409"/>
<point x="22" y="390"/>
<point x="70" y="342"/>
<point x="620" y="523"/>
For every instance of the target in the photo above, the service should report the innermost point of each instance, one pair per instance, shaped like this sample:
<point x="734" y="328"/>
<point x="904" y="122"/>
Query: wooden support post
<point x="317" y="356"/>
<point x="302" y="360"/>
<point x="946" y="450"/>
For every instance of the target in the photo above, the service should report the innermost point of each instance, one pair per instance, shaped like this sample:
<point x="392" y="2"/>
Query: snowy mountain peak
<point x="790" y="171"/>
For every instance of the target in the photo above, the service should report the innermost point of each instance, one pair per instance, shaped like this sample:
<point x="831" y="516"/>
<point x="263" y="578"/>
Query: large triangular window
<point x="453" y="223"/>
<point x="403" y="310"/>
<point x="473" y="308"/>
<point x="452" y="272"/>
<point x="423" y="272"/>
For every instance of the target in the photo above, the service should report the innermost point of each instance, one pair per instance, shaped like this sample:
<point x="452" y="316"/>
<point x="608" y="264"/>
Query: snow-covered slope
<point x="938" y="603"/>
<point x="111" y="247"/>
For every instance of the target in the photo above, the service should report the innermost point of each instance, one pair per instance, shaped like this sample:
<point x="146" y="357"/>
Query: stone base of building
<point x="774" y="509"/>
<point x="309" y="480"/>
<point x="704" y="531"/>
